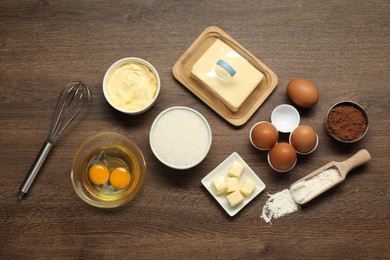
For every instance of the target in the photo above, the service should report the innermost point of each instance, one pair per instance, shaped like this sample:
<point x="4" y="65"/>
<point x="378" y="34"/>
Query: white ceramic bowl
<point x="180" y="137"/>
<point x="115" y="66"/>
<point x="285" y="118"/>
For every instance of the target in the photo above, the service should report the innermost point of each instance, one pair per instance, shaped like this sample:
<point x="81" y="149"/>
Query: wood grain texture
<point x="342" y="46"/>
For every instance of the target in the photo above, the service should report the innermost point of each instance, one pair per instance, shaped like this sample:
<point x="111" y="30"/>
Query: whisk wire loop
<point x="73" y="100"/>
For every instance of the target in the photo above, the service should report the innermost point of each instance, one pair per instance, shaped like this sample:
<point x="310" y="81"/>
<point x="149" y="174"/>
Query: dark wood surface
<point x="342" y="46"/>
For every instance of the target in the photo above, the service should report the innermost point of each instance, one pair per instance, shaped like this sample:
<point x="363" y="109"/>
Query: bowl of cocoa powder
<point x="347" y="121"/>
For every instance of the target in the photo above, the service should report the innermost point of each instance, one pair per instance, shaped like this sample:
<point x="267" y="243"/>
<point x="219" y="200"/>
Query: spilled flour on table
<point x="279" y="205"/>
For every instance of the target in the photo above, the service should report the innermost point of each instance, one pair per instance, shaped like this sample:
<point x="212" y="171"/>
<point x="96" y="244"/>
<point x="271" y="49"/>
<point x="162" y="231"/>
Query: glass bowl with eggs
<point x="108" y="170"/>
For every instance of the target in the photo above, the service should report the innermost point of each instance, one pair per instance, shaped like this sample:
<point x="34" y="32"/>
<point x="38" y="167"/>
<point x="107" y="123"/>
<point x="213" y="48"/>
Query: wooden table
<point x="343" y="47"/>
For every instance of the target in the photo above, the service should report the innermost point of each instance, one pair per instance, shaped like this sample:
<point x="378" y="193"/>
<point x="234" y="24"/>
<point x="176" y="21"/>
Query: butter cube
<point x="232" y="184"/>
<point x="219" y="185"/>
<point x="231" y="90"/>
<point x="235" y="198"/>
<point x="248" y="187"/>
<point x="236" y="169"/>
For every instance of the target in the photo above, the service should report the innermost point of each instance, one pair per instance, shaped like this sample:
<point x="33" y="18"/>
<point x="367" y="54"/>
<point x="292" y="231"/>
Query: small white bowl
<point x="285" y="118"/>
<point x="115" y="66"/>
<point x="180" y="137"/>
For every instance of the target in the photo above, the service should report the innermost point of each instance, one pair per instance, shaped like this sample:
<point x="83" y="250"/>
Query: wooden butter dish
<point x="182" y="72"/>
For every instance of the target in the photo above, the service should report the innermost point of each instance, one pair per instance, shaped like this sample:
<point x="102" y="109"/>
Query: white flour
<point x="286" y="201"/>
<point x="303" y="190"/>
<point x="278" y="205"/>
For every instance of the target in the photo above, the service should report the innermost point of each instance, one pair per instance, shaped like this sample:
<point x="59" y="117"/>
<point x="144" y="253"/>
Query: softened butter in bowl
<point x="131" y="85"/>
<point x="180" y="137"/>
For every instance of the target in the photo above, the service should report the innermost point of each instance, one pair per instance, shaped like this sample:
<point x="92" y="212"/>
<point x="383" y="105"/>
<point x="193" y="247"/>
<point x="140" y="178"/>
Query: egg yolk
<point x="99" y="174"/>
<point x="119" y="178"/>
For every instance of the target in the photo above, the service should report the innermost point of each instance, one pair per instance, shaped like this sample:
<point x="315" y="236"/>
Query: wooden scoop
<point x="303" y="192"/>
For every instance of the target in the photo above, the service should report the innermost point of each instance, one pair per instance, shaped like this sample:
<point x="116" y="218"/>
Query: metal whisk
<point x="74" y="99"/>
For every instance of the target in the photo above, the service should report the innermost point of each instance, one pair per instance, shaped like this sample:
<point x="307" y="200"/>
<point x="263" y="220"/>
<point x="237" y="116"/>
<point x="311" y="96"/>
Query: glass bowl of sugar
<point x="180" y="137"/>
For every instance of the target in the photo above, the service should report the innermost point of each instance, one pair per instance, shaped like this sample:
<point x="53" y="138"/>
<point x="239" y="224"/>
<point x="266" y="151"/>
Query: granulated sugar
<point x="305" y="189"/>
<point x="180" y="137"/>
<point x="279" y="205"/>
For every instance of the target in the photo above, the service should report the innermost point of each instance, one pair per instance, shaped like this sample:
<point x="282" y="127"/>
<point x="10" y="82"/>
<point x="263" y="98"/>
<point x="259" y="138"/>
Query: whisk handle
<point x="36" y="166"/>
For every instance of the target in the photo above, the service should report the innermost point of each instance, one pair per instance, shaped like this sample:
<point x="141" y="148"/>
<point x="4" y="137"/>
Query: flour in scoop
<point x="287" y="201"/>
<point x="305" y="189"/>
<point x="279" y="205"/>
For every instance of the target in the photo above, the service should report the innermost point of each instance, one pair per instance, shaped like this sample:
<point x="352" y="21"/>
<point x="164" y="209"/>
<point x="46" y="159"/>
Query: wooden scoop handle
<point x="360" y="158"/>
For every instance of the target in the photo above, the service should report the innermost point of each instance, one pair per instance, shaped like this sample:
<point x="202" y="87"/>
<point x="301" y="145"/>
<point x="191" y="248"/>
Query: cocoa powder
<point x="347" y="122"/>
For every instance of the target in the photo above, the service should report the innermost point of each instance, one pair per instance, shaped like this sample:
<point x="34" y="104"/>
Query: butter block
<point x="232" y="184"/>
<point x="236" y="169"/>
<point x="220" y="185"/>
<point x="231" y="90"/>
<point x="248" y="187"/>
<point x="235" y="198"/>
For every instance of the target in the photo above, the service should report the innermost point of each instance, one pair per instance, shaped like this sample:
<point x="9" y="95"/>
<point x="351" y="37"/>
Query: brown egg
<point x="304" y="138"/>
<point x="303" y="92"/>
<point x="264" y="135"/>
<point x="282" y="157"/>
